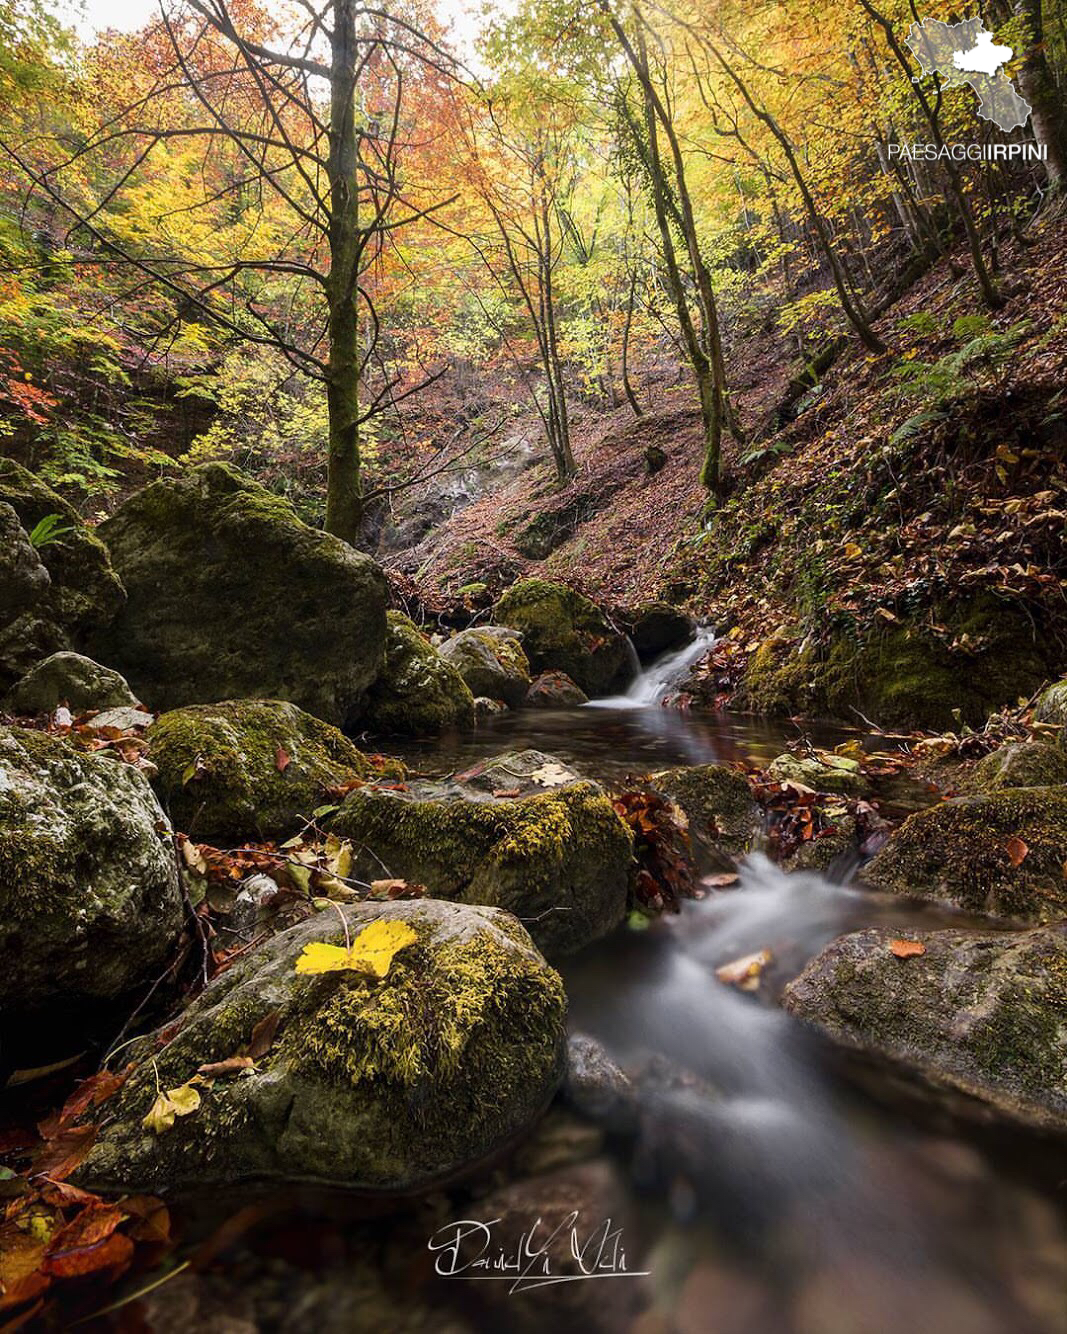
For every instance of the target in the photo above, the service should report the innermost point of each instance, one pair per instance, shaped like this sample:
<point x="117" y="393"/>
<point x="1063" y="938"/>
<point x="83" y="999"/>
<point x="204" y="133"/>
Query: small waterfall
<point x="657" y="681"/>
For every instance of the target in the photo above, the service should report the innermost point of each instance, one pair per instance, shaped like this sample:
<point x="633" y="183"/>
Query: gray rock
<point x="83" y="593"/>
<point x="595" y="1086"/>
<point x="231" y="597"/>
<point x="717" y="802"/>
<point x="979" y="1012"/>
<point x="1051" y="706"/>
<point x="488" y="708"/>
<point x="126" y="720"/>
<point x="491" y="660"/>
<point x="418" y="692"/>
<point x="835" y="773"/>
<point x="1021" y="764"/>
<point x="519" y="773"/>
<point x="89" y="898"/>
<point x="382" y="1085"/>
<point x="24" y="579"/>
<point x="71" y="679"/>
<point x="554" y="690"/>
<point x="657" y="627"/>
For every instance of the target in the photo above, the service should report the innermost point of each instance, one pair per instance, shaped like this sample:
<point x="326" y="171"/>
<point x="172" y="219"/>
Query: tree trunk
<point x="1046" y="100"/>
<point x="344" y="493"/>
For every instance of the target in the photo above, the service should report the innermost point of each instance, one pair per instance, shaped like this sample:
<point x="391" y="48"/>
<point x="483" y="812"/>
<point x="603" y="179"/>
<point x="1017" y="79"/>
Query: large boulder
<point x="250" y="768"/>
<point x="71" y="679"/>
<point x="824" y="772"/>
<point x="980" y="1012"/>
<point x="656" y="628"/>
<point x="90" y="904"/>
<point x="554" y="690"/>
<point x="491" y="660"/>
<point x="417" y="692"/>
<point x="1021" y="764"/>
<point x="717" y="802"/>
<point x="82" y="592"/>
<point x="231" y="596"/>
<point x="559" y="860"/>
<point x="1051" y="705"/>
<point x="562" y="631"/>
<point x="1001" y="854"/>
<point x="384" y="1085"/>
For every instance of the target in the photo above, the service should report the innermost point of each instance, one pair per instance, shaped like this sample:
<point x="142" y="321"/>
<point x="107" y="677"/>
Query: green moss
<point x="959" y="852"/>
<point x="417" y="692"/>
<point x="1020" y="764"/>
<point x="1051" y="706"/>
<point x="716" y="800"/>
<point x="219" y="771"/>
<point x="562" y="630"/>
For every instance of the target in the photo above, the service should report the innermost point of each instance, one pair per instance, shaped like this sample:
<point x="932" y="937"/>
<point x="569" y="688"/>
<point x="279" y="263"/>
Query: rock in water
<point x="231" y="596"/>
<point x="383" y="1084"/>
<point x="985" y="1013"/>
<point x="418" y="693"/>
<point x="491" y="661"/>
<point x="250" y="768"/>
<point x="1001" y="854"/>
<point x="560" y="860"/>
<point x="71" y="679"/>
<point x="81" y="594"/>
<point x="554" y="690"/>
<point x="563" y="631"/>
<point x="89" y="898"/>
<point x="717" y="802"/>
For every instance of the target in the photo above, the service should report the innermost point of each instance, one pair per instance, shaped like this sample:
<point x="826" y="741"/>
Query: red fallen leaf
<point x="232" y="1065"/>
<point x="114" y="1253"/>
<point x="509" y="792"/>
<point x="62" y="1194"/>
<point x="721" y="881"/>
<point x="263" y="1035"/>
<point x="1016" y="850"/>
<point x="21" y="1291"/>
<point x="906" y="949"/>
<point x="93" y="1224"/>
<point x="65" y="1152"/>
<point x="89" y="1093"/>
<point x="150" y="1219"/>
<point x="281" y="760"/>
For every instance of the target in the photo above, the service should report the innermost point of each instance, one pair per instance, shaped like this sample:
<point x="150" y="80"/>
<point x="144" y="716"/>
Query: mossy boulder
<point x="1002" y="854"/>
<point x="491" y="661"/>
<point x="83" y="593"/>
<point x="381" y="1085"/>
<point x="1020" y="764"/>
<point x="559" y="860"/>
<point x="982" y="1013"/>
<point x="232" y="597"/>
<point x="90" y="904"/>
<point x="250" y="768"/>
<point x="24" y="579"/>
<point x="657" y="627"/>
<point x="71" y="679"/>
<point x="563" y="631"/>
<point x="554" y="690"/>
<point x="985" y="655"/>
<point x="417" y="693"/>
<point x="717" y="802"/>
<point x="1051" y="706"/>
<point x="822" y="773"/>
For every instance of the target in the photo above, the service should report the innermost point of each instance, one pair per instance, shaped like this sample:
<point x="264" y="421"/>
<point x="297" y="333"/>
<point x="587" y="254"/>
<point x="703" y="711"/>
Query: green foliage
<point x="49" y="529"/>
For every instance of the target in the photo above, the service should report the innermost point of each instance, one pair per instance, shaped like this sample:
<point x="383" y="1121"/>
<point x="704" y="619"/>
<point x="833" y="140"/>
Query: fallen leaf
<point x="722" y="881"/>
<point x="371" y="952"/>
<point x="906" y="949"/>
<point x="282" y="760"/>
<point x="263" y="1036"/>
<point x="181" y="1101"/>
<point x="1016" y="850"/>
<point x="232" y="1065"/>
<point x="551" y="775"/>
<point x="744" y="973"/>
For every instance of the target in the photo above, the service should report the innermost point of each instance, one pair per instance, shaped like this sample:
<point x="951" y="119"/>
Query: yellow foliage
<point x="372" y="951"/>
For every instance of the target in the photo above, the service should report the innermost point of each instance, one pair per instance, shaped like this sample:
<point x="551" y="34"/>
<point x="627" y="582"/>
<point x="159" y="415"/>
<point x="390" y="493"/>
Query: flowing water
<point x="776" y="1189"/>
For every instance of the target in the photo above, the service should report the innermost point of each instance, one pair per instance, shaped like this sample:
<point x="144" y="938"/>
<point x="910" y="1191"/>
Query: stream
<point x="783" y="1189"/>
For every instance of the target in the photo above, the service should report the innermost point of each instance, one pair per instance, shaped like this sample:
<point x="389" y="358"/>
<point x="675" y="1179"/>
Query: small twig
<point x="198" y="925"/>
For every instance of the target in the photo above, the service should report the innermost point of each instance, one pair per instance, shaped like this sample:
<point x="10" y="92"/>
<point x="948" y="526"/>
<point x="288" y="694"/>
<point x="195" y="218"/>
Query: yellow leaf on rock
<point x="372" y="951"/>
<point x="182" y="1101"/>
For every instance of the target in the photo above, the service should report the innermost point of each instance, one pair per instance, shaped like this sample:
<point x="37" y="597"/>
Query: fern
<point x="48" y="530"/>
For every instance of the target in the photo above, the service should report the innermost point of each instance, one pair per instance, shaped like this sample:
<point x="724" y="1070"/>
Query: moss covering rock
<point x="554" y="690"/>
<point x="822" y="773"/>
<point x="382" y="1085"/>
<point x="1020" y="764"/>
<point x="717" y="802"/>
<point x="1001" y="854"/>
<point x="491" y="661"/>
<point x="559" y="860"/>
<point x="24" y="579"/>
<point x="231" y="597"/>
<point x="250" y="768"/>
<point x="417" y="693"/>
<point x="90" y="904"/>
<point x="71" y="679"/>
<point x="563" y="631"/>
<point x="985" y="655"/>
<point x="1051" y="706"/>
<point x="982" y="1013"/>
<point x="83" y="592"/>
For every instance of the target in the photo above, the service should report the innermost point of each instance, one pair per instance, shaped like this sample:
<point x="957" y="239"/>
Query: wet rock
<point x="978" y="1012"/>
<point x="250" y="768"/>
<point x="822" y="773"/>
<point x="657" y="627"/>
<point x="554" y="690"/>
<point x="90" y="904"/>
<point x="717" y="802"/>
<point x="1051" y="706"/>
<point x="559" y="860"/>
<point x="595" y="1086"/>
<point x="834" y="847"/>
<point x="1021" y="764"/>
<point x="563" y="631"/>
<point x="488" y="708"/>
<point x="515" y="773"/>
<point x="83" y="592"/>
<point x="232" y="597"/>
<point x="71" y="679"/>
<point x="1000" y="854"/>
<point x="386" y="1085"/>
<point x="490" y="659"/>
<point x="417" y="693"/>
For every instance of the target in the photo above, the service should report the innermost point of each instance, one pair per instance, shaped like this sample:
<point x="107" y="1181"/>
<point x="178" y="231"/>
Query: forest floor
<point x="937" y="467"/>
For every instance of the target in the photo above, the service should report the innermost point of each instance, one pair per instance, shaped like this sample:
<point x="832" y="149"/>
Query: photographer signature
<point x="567" y="1253"/>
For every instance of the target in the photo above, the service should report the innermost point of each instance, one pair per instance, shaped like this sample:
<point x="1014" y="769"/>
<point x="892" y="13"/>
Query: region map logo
<point x="964" y="53"/>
